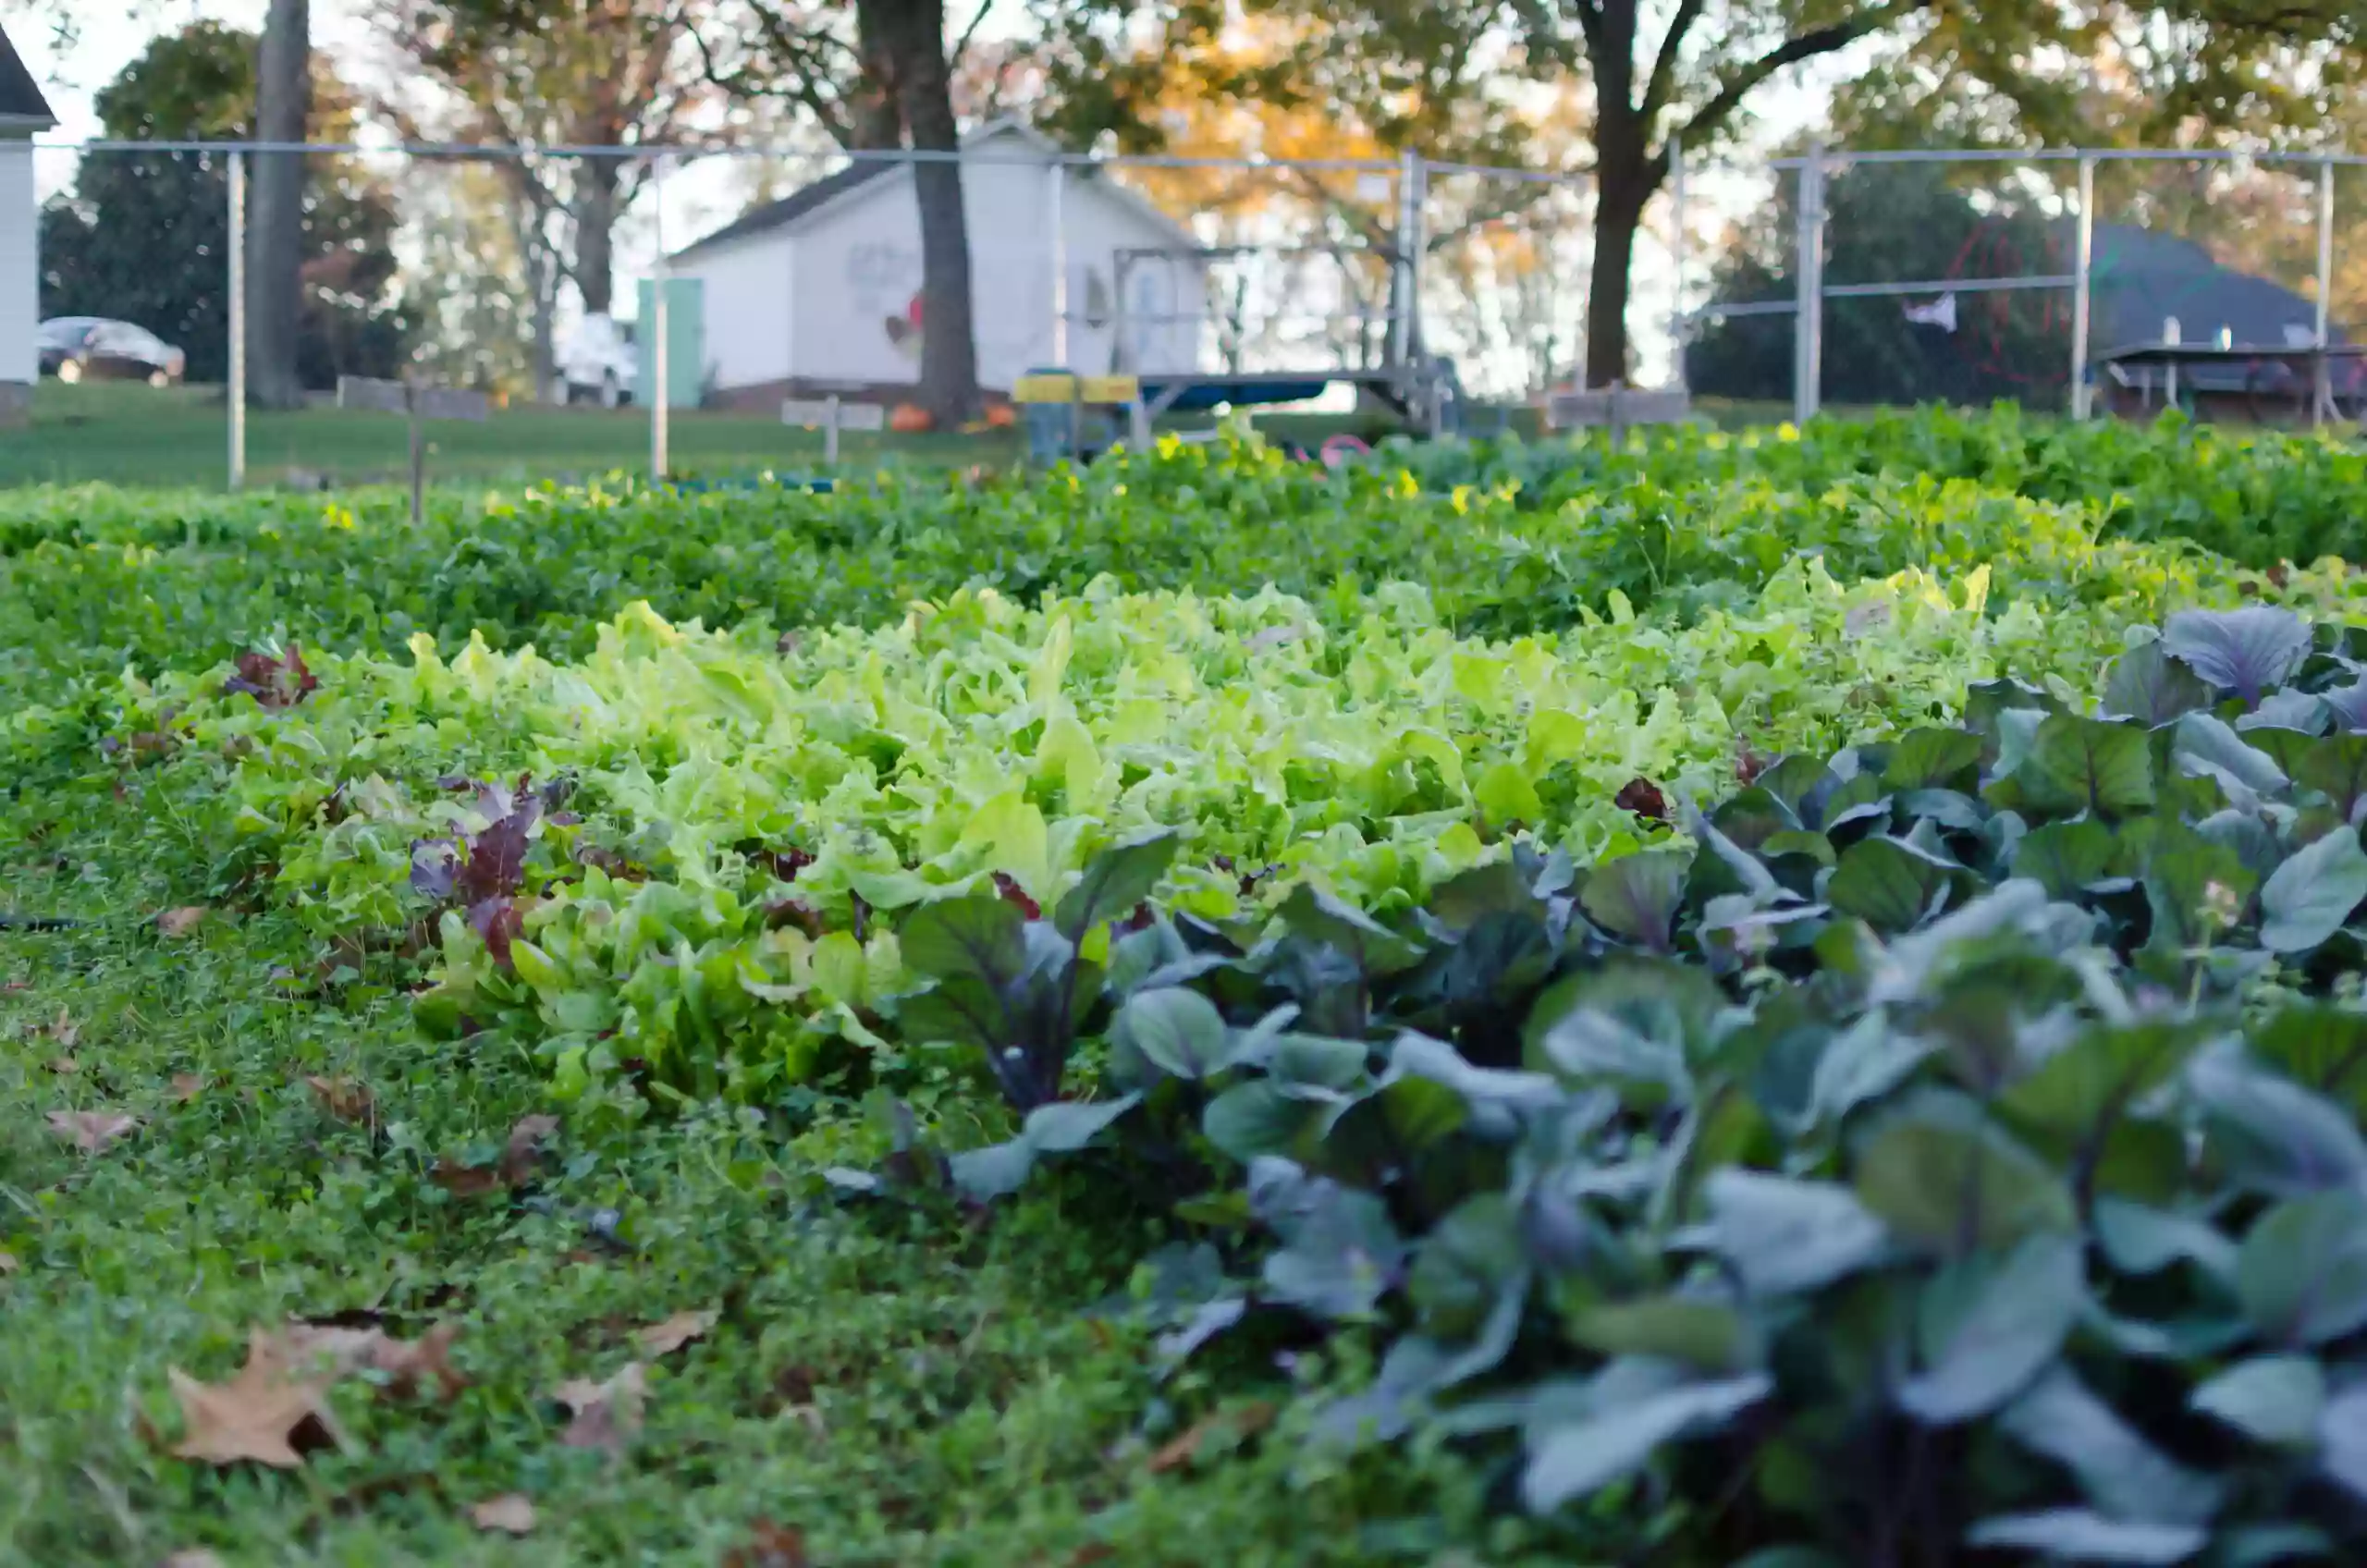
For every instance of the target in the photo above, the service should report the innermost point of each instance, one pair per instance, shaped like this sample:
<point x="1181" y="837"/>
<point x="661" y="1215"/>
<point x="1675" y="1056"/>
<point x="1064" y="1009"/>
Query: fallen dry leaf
<point x="407" y="1365"/>
<point x="64" y="1066"/>
<point x="605" y="1415"/>
<point x="260" y="1416"/>
<point x="7" y="1263"/>
<point x="664" y="1339"/>
<point x="15" y="986"/>
<point x="180" y="922"/>
<point x="63" y="1029"/>
<point x="1245" y="1422"/>
<point x="187" y="1087"/>
<point x="344" y="1098"/>
<point x="196" y="1557"/>
<point x="514" y="1168"/>
<point x="768" y="1545"/>
<point x="512" y="1514"/>
<point x="92" y="1131"/>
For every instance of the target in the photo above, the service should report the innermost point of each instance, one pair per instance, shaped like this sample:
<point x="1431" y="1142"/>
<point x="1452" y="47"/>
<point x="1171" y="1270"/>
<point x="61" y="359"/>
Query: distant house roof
<point x="2143" y="278"/>
<point x="795" y="208"/>
<point x="21" y="104"/>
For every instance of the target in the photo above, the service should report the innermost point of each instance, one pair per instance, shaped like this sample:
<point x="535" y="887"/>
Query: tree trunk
<point x="1618" y="213"/>
<point x="275" y="212"/>
<point x="596" y="231"/>
<point x="904" y="42"/>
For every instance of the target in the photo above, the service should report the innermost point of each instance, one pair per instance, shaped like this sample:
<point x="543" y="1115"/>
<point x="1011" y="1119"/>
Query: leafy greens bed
<point x="1800" y="1007"/>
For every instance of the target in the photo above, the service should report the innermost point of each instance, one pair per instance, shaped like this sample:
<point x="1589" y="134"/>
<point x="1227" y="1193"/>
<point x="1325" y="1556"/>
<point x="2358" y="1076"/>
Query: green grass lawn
<point x="133" y="435"/>
<point x="898" y="1387"/>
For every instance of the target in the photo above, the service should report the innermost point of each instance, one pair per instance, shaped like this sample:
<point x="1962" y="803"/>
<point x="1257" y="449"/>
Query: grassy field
<point x="126" y="434"/>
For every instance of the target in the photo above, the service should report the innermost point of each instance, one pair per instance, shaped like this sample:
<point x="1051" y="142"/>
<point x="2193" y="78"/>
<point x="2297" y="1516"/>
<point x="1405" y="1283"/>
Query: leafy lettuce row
<point x="747" y="810"/>
<point x="1954" y="1146"/>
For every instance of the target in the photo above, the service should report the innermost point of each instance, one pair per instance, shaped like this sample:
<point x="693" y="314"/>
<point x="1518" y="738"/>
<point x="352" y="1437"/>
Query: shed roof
<point x="793" y="209"/>
<point x="21" y="104"/>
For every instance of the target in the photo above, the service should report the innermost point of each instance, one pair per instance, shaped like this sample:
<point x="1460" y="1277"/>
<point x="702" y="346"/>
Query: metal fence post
<point x="1678" y="246"/>
<point x="2082" y="280"/>
<point x="236" y="390"/>
<point x="1807" y="333"/>
<point x="659" y="394"/>
<point x="2322" y="377"/>
<point x="1057" y="199"/>
<point x="1404" y="330"/>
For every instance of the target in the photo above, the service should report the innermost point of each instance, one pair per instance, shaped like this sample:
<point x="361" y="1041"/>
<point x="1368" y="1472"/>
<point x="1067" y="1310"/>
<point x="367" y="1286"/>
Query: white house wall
<point x="749" y="288"/>
<point x="20" y="262"/>
<point x="1166" y="295"/>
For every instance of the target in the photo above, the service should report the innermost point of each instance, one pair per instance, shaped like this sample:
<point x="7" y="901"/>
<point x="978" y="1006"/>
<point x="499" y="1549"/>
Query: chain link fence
<point x="625" y="310"/>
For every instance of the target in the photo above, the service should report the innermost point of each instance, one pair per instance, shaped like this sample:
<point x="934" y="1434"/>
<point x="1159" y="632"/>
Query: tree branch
<point x="1712" y="115"/>
<point x="962" y="46"/>
<point x="1664" y="77"/>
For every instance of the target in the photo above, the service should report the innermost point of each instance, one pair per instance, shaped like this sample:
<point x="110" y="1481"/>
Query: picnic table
<point x="2302" y="372"/>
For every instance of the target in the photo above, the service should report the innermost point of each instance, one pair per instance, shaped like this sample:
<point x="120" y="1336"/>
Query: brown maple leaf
<point x="187" y="1087"/>
<point x="92" y="1131"/>
<point x="7" y="1264"/>
<point x="194" y="1557"/>
<point x="604" y="1416"/>
<point x="64" y="1066"/>
<point x="768" y="1545"/>
<point x="407" y="1365"/>
<point x="270" y="1413"/>
<point x="180" y="922"/>
<point x="511" y="1514"/>
<point x="514" y="1168"/>
<point x="63" y="1030"/>
<point x="348" y="1099"/>
<point x="663" y="1339"/>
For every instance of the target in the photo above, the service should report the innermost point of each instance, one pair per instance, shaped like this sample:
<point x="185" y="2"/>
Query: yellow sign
<point x="1112" y="389"/>
<point x="1044" y="389"/>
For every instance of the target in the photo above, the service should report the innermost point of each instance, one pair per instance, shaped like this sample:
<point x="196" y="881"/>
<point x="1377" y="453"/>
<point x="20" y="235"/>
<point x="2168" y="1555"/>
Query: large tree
<point x="275" y="208"/>
<point x="877" y="76"/>
<point x="144" y="237"/>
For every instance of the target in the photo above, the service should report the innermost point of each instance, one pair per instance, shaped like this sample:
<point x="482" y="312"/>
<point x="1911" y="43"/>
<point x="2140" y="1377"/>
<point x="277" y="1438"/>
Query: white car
<point x="599" y="362"/>
<point x="91" y="348"/>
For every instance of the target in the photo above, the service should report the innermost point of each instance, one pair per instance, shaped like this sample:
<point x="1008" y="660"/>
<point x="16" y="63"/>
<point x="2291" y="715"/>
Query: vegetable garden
<point x="1787" y="999"/>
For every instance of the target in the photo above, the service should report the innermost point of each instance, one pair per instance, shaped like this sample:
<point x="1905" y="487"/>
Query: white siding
<point x="747" y="291"/>
<point x="20" y="261"/>
<point x="816" y="301"/>
<point x="859" y="269"/>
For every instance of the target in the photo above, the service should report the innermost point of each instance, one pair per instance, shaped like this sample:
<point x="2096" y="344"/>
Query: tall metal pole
<point x="1056" y="200"/>
<point x="2082" y="282"/>
<point x="1409" y="240"/>
<point x="1677" y="247"/>
<point x="659" y="394"/>
<point x="2322" y="377"/>
<point x="236" y="392"/>
<point x="1807" y="333"/>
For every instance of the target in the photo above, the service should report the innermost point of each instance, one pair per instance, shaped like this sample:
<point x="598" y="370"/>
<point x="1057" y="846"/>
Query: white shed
<point x="22" y="111"/>
<point x="820" y="291"/>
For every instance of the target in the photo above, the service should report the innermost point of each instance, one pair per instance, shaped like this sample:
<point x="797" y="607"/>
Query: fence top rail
<point x="464" y="150"/>
<point x="2066" y="155"/>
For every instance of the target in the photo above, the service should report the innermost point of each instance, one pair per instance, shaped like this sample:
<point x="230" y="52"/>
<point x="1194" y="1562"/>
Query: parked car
<point x="92" y="347"/>
<point x="599" y="362"/>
